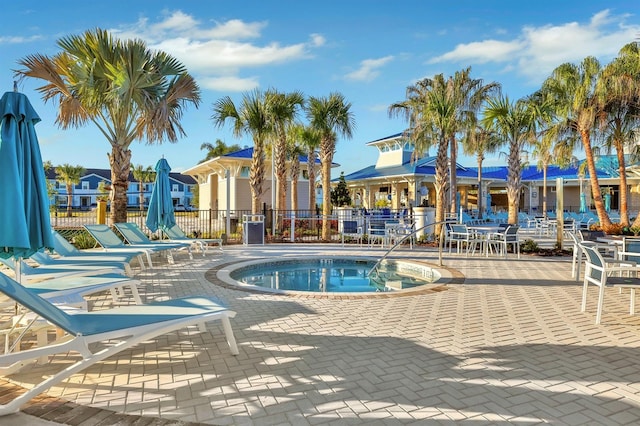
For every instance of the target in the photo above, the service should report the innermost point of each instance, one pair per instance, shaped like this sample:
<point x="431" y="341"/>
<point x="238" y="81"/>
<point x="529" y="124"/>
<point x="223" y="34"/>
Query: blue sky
<point x="370" y="51"/>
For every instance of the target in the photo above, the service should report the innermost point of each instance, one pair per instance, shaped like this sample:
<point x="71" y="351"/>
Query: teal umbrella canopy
<point x="24" y="204"/>
<point x="160" y="213"/>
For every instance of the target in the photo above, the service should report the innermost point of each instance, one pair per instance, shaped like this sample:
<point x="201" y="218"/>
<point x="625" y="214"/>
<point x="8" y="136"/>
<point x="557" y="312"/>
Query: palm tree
<point x="282" y="111"/>
<point x="310" y="141"/>
<point x="295" y="149"/>
<point x="127" y="90"/>
<point x="251" y="119"/>
<point x="330" y="116"/>
<point x="515" y="123"/>
<point x="479" y="141"/>
<point x="217" y="150"/>
<point x="142" y="175"/>
<point x="430" y="109"/>
<point x="71" y="176"/>
<point x="469" y="95"/>
<point x="619" y="91"/>
<point x="572" y="91"/>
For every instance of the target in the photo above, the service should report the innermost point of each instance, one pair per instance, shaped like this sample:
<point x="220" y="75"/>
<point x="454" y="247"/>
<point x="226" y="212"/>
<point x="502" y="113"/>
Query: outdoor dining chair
<point x="460" y="235"/>
<point x="123" y="327"/>
<point x="599" y="273"/>
<point x="351" y="229"/>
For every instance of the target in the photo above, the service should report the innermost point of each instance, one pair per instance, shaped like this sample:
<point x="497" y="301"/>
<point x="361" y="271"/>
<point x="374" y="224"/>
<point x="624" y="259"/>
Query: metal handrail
<point x="401" y="240"/>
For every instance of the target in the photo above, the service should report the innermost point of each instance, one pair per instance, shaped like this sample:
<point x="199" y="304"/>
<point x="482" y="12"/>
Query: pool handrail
<point x="410" y="234"/>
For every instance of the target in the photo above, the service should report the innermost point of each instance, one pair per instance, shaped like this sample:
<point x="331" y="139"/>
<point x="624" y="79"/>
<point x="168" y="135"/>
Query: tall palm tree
<point x="619" y="92"/>
<point x="282" y="110"/>
<point x="142" y="175"/>
<point x="430" y="109"/>
<point x="127" y="90"/>
<point x="514" y="122"/>
<point x="571" y="89"/>
<point x="218" y="149"/>
<point x="295" y="149"/>
<point x="71" y="176"/>
<point x="330" y="116"/>
<point x="479" y="141"/>
<point x="310" y="141"/>
<point x="469" y="95"/>
<point x="250" y="118"/>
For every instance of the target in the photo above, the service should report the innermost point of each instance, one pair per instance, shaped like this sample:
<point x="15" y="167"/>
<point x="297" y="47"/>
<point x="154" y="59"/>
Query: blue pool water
<point x="339" y="275"/>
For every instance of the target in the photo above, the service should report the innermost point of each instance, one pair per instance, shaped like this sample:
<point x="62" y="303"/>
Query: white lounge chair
<point x="47" y="261"/>
<point x="129" y="325"/>
<point x="176" y="235"/>
<point x="31" y="274"/>
<point x="68" y="251"/>
<point x="135" y="237"/>
<point x="110" y="241"/>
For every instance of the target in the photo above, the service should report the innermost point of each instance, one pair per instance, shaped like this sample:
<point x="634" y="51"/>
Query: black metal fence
<point x="279" y="226"/>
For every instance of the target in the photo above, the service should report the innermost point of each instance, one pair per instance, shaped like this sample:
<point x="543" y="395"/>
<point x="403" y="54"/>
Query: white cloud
<point x="538" y="50"/>
<point x="216" y="52"/>
<point x="368" y="69"/>
<point x="18" y="39"/>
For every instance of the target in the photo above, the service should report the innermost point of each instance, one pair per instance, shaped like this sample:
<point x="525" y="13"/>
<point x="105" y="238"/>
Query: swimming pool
<point x="332" y="275"/>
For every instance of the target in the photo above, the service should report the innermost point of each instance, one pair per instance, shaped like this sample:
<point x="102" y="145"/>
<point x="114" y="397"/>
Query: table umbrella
<point x="489" y="203"/>
<point x="607" y="202"/>
<point x="160" y="213"/>
<point x="583" y="203"/>
<point x="24" y="204"/>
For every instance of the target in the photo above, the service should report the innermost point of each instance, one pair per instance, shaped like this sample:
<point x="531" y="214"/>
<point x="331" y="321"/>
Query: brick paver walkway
<point x="507" y="343"/>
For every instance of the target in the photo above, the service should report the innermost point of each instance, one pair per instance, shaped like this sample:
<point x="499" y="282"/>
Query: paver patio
<point x="507" y="343"/>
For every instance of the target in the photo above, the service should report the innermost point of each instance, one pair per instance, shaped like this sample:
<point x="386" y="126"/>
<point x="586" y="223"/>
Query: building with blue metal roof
<point x="397" y="182"/>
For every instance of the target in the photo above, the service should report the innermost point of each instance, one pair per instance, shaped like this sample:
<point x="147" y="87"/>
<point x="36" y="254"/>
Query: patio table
<point x="483" y="236"/>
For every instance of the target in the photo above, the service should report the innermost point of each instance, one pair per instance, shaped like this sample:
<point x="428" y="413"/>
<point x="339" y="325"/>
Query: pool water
<point x="326" y="275"/>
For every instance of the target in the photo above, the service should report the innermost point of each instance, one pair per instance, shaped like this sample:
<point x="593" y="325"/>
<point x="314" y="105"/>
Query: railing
<point x="409" y="235"/>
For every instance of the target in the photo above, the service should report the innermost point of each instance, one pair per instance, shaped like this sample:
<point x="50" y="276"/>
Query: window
<point x="244" y="172"/>
<point x="85" y="184"/>
<point x="175" y="188"/>
<point x="305" y="174"/>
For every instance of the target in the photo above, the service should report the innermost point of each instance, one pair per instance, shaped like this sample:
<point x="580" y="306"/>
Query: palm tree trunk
<point x="69" y="200"/>
<point x="281" y="175"/>
<point x="440" y="184"/>
<point x="326" y="196"/>
<point x="295" y="171"/>
<point x="544" y="191"/>
<point x="311" y="171"/>
<point x="120" y="162"/>
<point x="453" y="187"/>
<point x="256" y="175"/>
<point x="479" y="196"/>
<point x="603" y="216"/>
<point x="513" y="183"/>
<point x="624" y="207"/>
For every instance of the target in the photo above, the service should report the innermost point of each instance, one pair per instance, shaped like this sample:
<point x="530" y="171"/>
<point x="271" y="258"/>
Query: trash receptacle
<point x="253" y="229"/>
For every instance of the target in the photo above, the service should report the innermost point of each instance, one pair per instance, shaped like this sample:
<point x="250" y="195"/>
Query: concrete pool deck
<point x="503" y="342"/>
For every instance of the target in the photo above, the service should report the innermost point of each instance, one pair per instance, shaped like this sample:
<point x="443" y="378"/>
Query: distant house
<point x="86" y="192"/>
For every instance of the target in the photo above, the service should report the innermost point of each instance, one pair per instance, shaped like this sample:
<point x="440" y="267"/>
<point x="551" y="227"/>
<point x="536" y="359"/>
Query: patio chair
<point x="110" y="241"/>
<point x="68" y="251"/>
<point x="128" y="325"/>
<point x="376" y="232"/>
<point x="460" y="235"/>
<point x="176" y="235"/>
<point x="351" y="229"/>
<point x="135" y="237"/>
<point x="507" y="238"/>
<point x="598" y="272"/>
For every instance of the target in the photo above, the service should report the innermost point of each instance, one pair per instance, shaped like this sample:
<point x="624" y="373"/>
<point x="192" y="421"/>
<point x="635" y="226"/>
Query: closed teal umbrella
<point x="607" y="202"/>
<point x="24" y="204"/>
<point x="583" y="203"/>
<point x="160" y="213"/>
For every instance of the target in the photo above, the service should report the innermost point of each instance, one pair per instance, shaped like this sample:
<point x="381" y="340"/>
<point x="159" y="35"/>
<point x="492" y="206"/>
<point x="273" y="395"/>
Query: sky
<point x="369" y="51"/>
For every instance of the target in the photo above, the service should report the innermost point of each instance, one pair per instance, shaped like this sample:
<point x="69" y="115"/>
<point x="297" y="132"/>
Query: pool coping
<point x="220" y="275"/>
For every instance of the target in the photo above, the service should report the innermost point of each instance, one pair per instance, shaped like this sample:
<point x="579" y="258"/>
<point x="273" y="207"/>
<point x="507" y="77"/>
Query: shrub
<point x="83" y="240"/>
<point x="529" y="246"/>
